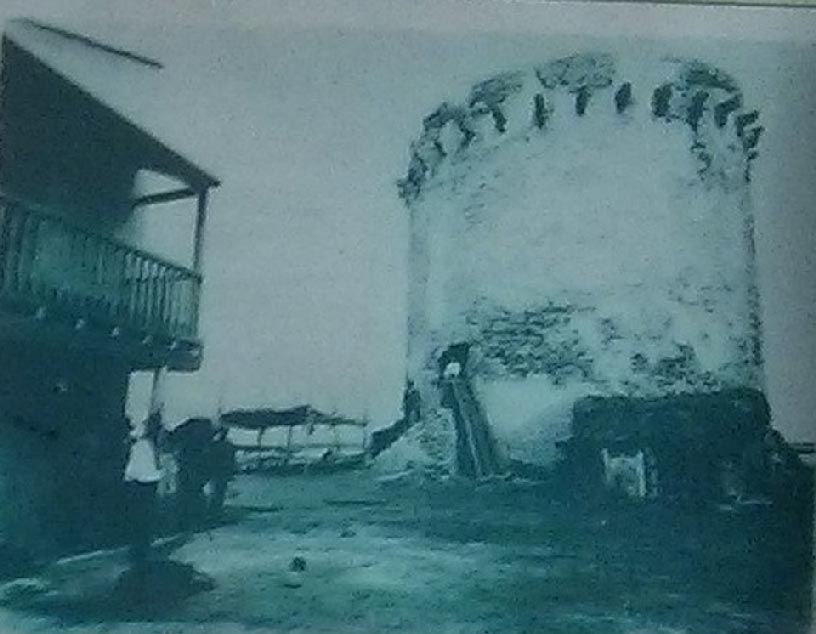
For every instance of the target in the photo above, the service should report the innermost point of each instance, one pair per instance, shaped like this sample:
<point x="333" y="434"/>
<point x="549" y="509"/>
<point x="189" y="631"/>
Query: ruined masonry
<point x="585" y="226"/>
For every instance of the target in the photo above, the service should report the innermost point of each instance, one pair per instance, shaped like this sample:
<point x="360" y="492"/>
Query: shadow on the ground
<point x="148" y="594"/>
<point x="100" y="588"/>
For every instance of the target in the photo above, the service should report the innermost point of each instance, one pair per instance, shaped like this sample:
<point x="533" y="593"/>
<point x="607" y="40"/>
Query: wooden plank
<point x="163" y="197"/>
<point x="201" y="222"/>
<point x="271" y="425"/>
<point x="284" y="450"/>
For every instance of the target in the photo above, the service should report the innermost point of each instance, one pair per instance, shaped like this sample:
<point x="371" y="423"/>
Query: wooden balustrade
<point x="47" y="261"/>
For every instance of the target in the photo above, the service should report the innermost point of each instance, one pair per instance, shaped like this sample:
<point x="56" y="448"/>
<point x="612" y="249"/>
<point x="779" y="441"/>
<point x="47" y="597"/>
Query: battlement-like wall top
<point x="692" y="93"/>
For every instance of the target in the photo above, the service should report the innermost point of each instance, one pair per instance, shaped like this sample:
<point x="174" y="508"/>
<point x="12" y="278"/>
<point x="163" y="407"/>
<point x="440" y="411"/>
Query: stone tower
<point x="585" y="226"/>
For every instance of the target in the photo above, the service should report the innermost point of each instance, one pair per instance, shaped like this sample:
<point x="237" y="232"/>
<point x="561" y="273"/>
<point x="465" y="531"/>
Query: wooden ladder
<point x="475" y="427"/>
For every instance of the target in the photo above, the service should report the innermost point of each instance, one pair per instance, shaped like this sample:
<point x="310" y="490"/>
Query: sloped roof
<point x="136" y="88"/>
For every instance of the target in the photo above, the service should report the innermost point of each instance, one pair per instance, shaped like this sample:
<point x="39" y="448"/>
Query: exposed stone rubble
<point x="427" y="450"/>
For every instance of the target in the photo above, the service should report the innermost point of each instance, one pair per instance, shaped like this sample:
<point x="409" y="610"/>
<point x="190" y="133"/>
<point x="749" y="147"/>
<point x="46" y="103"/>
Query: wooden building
<point x="84" y="298"/>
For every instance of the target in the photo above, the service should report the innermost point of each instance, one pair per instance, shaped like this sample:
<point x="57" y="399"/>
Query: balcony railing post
<point x="145" y="305"/>
<point x="134" y="272"/>
<point x="109" y="271"/>
<point x="161" y="318"/>
<point x="195" y="288"/>
<point x="13" y="255"/>
<point x="25" y="247"/>
<point x="133" y="283"/>
<point x="144" y="291"/>
<point x="165" y="300"/>
<point x="126" y="286"/>
<point x="153" y="292"/>
<point x="121" y="284"/>
<point x="75" y="257"/>
<point x="6" y="214"/>
<point x="172" y="309"/>
<point x="155" y="316"/>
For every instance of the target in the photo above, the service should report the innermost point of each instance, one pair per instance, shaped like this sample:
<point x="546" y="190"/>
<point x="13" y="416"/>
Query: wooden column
<point x="201" y="221"/>
<point x="157" y="392"/>
<point x="810" y="461"/>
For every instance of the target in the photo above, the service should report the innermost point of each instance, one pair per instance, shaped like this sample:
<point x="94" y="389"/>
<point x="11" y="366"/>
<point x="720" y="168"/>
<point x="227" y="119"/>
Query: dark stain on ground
<point x="150" y="594"/>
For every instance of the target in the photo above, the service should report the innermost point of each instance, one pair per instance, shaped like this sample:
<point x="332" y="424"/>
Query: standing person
<point x="142" y="476"/>
<point x="192" y="439"/>
<point x="222" y="468"/>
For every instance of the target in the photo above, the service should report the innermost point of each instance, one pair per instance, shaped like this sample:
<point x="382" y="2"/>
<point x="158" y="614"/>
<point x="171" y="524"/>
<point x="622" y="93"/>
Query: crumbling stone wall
<point x="427" y="449"/>
<point x="587" y="221"/>
<point x="569" y="342"/>
<point x="532" y="341"/>
<point x="699" y="96"/>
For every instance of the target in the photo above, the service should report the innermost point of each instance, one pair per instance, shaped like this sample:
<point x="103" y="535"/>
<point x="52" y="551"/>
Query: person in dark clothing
<point x="192" y="440"/>
<point x="221" y="461"/>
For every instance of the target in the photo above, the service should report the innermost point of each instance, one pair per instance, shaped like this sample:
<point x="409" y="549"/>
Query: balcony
<point x="53" y="271"/>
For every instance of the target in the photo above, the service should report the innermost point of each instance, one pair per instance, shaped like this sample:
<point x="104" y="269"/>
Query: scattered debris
<point x="404" y="477"/>
<point x="293" y="578"/>
<point x="298" y="564"/>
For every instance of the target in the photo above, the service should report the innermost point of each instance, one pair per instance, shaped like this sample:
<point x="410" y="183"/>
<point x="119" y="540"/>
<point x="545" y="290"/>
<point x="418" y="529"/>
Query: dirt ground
<point x="445" y="558"/>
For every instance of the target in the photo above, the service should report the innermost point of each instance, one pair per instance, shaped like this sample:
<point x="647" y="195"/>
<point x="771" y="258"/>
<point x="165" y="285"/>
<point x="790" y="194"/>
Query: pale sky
<point x="309" y="131"/>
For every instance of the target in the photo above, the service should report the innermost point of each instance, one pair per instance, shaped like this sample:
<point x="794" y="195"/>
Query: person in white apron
<point x="142" y="476"/>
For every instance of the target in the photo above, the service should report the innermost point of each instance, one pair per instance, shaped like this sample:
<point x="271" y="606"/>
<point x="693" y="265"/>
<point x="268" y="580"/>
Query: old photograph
<point x="423" y="318"/>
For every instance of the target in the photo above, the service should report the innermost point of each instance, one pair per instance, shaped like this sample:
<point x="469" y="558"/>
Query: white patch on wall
<point x="156" y="228"/>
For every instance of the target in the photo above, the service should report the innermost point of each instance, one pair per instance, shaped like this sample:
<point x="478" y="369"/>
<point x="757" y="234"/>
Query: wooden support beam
<point x="201" y="221"/>
<point x="157" y="391"/>
<point x="164" y="197"/>
<point x="87" y="41"/>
